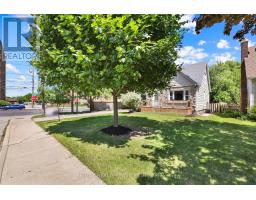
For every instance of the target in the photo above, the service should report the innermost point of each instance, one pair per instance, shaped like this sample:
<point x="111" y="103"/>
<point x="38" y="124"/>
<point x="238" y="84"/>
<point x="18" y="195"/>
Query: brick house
<point x="188" y="92"/>
<point x="2" y="73"/>
<point x="248" y="76"/>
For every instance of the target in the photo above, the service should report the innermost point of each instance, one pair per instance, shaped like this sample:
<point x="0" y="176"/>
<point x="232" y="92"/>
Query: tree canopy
<point x="118" y="52"/>
<point x="248" y="23"/>
<point x="225" y="82"/>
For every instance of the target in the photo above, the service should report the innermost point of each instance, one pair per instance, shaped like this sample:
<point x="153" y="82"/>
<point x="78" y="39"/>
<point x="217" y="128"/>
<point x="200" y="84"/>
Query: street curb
<point x="4" y="149"/>
<point x="3" y="135"/>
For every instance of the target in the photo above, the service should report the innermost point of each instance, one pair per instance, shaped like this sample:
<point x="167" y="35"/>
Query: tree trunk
<point x="43" y="107"/>
<point x="43" y="100"/>
<point x="91" y="104"/>
<point x="115" y="110"/>
<point x="76" y="107"/>
<point x="58" y="106"/>
<point x="72" y="101"/>
<point x="76" y="103"/>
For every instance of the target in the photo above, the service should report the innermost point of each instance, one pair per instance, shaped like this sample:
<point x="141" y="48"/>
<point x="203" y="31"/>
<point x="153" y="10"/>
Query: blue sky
<point x="211" y="46"/>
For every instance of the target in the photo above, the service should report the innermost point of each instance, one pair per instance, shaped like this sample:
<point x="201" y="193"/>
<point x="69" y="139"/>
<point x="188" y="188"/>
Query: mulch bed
<point x="126" y="131"/>
<point x="120" y="130"/>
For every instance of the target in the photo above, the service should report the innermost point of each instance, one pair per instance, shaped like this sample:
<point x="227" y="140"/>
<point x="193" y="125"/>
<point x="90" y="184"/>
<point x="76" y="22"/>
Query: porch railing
<point x="169" y="104"/>
<point x="177" y="104"/>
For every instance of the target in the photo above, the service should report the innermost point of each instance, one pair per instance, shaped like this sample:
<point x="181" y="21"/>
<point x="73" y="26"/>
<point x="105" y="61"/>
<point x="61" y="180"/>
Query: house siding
<point x="180" y="81"/>
<point x="249" y="91"/>
<point x="195" y="82"/>
<point x="202" y="95"/>
<point x="251" y="85"/>
<point x="254" y="91"/>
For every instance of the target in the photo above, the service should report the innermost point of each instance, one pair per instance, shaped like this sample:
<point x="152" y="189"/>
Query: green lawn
<point x="181" y="150"/>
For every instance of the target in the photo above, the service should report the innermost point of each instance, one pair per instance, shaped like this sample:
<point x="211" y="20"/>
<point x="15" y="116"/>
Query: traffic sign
<point x="34" y="98"/>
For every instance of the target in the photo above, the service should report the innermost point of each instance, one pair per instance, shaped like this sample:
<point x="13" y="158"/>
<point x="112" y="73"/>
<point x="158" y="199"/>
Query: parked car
<point x="13" y="107"/>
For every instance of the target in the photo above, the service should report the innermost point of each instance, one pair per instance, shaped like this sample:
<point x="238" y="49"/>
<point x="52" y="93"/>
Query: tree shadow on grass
<point x="89" y="129"/>
<point x="192" y="150"/>
<point x="202" y="152"/>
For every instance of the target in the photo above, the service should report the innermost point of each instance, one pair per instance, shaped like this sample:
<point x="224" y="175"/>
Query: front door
<point x="156" y="100"/>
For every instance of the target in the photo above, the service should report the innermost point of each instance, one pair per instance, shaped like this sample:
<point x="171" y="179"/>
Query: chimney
<point x="244" y="49"/>
<point x="243" y="84"/>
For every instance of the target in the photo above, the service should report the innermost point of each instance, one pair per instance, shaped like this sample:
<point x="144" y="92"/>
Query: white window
<point x="186" y="95"/>
<point x="178" y="95"/>
<point x="156" y="97"/>
<point x="171" y="95"/>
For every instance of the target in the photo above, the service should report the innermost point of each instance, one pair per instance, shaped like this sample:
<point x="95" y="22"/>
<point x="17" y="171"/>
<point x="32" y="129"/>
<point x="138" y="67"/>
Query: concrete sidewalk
<point x="31" y="156"/>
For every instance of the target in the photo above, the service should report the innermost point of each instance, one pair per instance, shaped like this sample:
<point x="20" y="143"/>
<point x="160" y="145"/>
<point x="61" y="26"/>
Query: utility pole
<point x="33" y="83"/>
<point x="42" y="91"/>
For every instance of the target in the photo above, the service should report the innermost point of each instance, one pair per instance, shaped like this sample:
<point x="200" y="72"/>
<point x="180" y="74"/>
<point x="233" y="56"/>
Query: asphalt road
<point x="8" y="114"/>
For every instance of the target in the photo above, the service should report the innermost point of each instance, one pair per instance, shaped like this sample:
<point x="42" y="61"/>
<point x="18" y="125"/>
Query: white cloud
<point x="201" y="42"/>
<point x="190" y="55"/>
<point x="236" y="48"/>
<point x="223" y="44"/>
<point x="251" y="43"/>
<point x="22" y="77"/>
<point x="223" y="57"/>
<point x="12" y="68"/>
<point x="189" y="22"/>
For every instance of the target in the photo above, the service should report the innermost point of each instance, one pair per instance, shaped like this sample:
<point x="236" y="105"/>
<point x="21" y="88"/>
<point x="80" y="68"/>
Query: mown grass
<point x="180" y="150"/>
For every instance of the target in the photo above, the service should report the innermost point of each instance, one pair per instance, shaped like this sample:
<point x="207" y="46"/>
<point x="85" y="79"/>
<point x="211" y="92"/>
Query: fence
<point x="222" y="107"/>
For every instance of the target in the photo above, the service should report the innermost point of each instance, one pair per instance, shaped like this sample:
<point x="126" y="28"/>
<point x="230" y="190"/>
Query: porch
<point x="174" y="106"/>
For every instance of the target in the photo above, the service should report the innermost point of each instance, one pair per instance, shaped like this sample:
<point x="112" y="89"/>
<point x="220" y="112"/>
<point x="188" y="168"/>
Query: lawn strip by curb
<point x="4" y="147"/>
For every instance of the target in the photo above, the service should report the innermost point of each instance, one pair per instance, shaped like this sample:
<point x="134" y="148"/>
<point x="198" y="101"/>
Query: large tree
<point x="225" y="82"/>
<point x="118" y="52"/>
<point x="247" y="22"/>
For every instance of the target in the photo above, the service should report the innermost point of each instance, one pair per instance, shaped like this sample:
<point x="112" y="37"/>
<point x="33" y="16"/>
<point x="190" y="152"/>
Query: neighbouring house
<point x="102" y="103"/>
<point x="188" y="92"/>
<point x="248" y="76"/>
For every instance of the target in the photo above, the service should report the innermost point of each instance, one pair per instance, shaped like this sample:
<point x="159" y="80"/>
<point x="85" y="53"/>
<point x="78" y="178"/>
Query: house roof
<point x="195" y="71"/>
<point x="250" y="63"/>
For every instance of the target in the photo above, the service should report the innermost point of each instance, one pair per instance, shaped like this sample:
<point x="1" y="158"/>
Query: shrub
<point x="4" y="103"/>
<point x="131" y="100"/>
<point x="232" y="113"/>
<point x="252" y="114"/>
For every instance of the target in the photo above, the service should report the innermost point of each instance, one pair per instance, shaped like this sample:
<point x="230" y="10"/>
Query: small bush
<point x="232" y="113"/>
<point x="131" y="100"/>
<point x="253" y="110"/>
<point x="252" y="114"/>
<point x="4" y="103"/>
